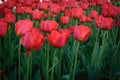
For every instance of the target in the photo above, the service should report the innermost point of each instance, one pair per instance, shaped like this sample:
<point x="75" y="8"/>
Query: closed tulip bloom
<point x="104" y="23"/>
<point x="23" y="26"/>
<point x="82" y="33"/>
<point x="118" y="23"/>
<point x="57" y="39"/>
<point x="113" y="11"/>
<point x="10" y="18"/>
<point x="28" y="2"/>
<point x="43" y="6"/>
<point x="77" y="12"/>
<point x="27" y="10"/>
<point x="64" y="19"/>
<point x="83" y="18"/>
<point x="19" y="10"/>
<point x="33" y="40"/>
<point x="48" y="26"/>
<point x="101" y="1"/>
<point x="54" y="8"/>
<point x="93" y="14"/>
<point x="3" y="28"/>
<point x="36" y="14"/>
<point x="66" y="32"/>
<point x="84" y="5"/>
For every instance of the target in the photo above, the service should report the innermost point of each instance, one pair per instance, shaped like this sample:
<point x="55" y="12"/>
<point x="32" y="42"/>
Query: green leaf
<point x="37" y="76"/>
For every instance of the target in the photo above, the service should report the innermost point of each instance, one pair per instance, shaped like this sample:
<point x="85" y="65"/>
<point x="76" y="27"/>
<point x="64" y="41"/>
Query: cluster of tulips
<point x="55" y="22"/>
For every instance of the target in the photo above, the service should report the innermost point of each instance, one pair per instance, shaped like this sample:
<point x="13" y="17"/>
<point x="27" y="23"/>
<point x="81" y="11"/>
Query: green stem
<point x="19" y="53"/>
<point x="75" y="61"/>
<point x="36" y="24"/>
<point x="60" y="64"/>
<point x="9" y="34"/>
<point x="18" y="17"/>
<point x="102" y="48"/>
<point x="28" y="67"/>
<point x="47" y="66"/>
<point x="53" y="65"/>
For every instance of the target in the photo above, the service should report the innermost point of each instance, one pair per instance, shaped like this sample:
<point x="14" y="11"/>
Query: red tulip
<point x="77" y="12"/>
<point x="89" y="19"/>
<point x="36" y="14"/>
<point x="33" y="40"/>
<point x="43" y="6"/>
<point x="118" y="22"/>
<point x="19" y="10"/>
<point x="72" y="3"/>
<point x="72" y="28"/>
<point x="9" y="4"/>
<point x="68" y="12"/>
<point x="84" y="5"/>
<point x="28" y="2"/>
<point x="45" y="15"/>
<point x="83" y="18"/>
<point x="6" y="11"/>
<point x="64" y="19"/>
<point x="101" y="1"/>
<point x="54" y="8"/>
<point x="82" y="33"/>
<point x="27" y="10"/>
<point x="57" y="39"/>
<point x="93" y="14"/>
<point x="66" y="32"/>
<point x="48" y="25"/>
<point x="23" y="26"/>
<point x="3" y="28"/>
<point x="104" y="23"/>
<point x="113" y="11"/>
<point x="10" y="18"/>
<point x="34" y="5"/>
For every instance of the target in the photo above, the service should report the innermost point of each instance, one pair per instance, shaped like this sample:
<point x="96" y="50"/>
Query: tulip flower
<point x="93" y="14"/>
<point x="82" y="33"/>
<point x="77" y="12"/>
<point x="9" y="4"/>
<point x="10" y="18"/>
<point x="118" y="22"/>
<point x="54" y="8"/>
<point x="66" y="32"/>
<point x="43" y="6"/>
<point x="19" y="10"/>
<point x="33" y="40"/>
<point x="3" y="28"/>
<point x="113" y="11"/>
<point x="84" y="5"/>
<point x="23" y="26"/>
<point x="27" y="10"/>
<point x="83" y="18"/>
<point x="64" y="19"/>
<point x="48" y="25"/>
<point x="28" y="2"/>
<point x="57" y="39"/>
<point x="101" y="1"/>
<point x="104" y="23"/>
<point x="36" y="14"/>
